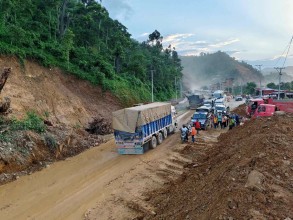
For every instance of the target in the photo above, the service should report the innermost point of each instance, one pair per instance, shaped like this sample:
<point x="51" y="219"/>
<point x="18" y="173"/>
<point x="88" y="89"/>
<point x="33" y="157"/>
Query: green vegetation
<point x="30" y="122"/>
<point x="283" y="85"/>
<point x="80" y="37"/>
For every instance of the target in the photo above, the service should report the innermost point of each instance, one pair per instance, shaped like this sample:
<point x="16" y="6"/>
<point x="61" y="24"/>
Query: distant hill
<point x="208" y="69"/>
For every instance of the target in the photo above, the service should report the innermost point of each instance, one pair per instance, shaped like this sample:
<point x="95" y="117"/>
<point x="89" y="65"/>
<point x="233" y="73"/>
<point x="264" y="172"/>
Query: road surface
<point x="97" y="182"/>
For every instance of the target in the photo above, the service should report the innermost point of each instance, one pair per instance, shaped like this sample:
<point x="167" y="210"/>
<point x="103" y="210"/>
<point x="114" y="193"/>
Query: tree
<point x="250" y="88"/>
<point x="272" y="85"/>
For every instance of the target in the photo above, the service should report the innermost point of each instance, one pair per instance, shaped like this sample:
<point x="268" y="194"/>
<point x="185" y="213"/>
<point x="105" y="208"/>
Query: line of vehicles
<point x="139" y="128"/>
<point x="212" y="105"/>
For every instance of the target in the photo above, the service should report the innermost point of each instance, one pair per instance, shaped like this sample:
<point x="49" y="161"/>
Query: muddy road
<point x="97" y="184"/>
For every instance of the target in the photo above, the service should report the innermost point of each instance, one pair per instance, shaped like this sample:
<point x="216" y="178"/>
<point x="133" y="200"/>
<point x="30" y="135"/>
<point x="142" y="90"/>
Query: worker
<point x="231" y="123"/>
<point x="225" y="121"/>
<point x="193" y="133"/>
<point x="184" y="133"/>
<point x="215" y="121"/>
<point x="197" y="126"/>
<point x="212" y="120"/>
<point x="220" y="120"/>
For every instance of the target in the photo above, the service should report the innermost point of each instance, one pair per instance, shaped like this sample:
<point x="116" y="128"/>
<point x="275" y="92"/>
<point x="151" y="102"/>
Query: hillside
<point x="208" y="69"/>
<point x="67" y="103"/>
<point x="81" y="38"/>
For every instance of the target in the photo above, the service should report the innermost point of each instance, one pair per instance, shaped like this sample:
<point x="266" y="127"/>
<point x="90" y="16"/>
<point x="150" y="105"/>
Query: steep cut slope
<point x="65" y="103"/>
<point x="63" y="97"/>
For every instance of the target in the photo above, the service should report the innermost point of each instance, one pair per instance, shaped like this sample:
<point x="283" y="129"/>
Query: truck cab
<point x="253" y="105"/>
<point x="265" y="110"/>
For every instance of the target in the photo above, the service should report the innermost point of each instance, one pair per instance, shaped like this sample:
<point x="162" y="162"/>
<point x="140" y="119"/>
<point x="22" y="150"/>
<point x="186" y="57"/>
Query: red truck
<point x="267" y="107"/>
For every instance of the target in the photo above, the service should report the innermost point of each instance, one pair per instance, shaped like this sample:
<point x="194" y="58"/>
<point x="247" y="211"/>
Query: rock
<point x="255" y="180"/>
<point x="153" y="213"/>
<point x="280" y="113"/>
<point x="278" y="176"/>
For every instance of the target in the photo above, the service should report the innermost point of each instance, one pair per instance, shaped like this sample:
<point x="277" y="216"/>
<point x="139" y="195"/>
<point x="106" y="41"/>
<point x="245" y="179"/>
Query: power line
<point x="288" y="51"/>
<point x="287" y="46"/>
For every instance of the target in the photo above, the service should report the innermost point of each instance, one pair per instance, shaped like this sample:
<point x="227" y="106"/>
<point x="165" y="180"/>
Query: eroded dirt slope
<point x="243" y="173"/>
<point x="65" y="98"/>
<point x="248" y="174"/>
<point x="66" y="102"/>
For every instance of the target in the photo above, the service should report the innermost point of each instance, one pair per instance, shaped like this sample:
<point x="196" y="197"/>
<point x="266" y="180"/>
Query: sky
<point x="254" y="31"/>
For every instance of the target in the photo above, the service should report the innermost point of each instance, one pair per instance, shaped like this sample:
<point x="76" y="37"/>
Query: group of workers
<point x="217" y="120"/>
<point x="191" y="130"/>
<point x="220" y="120"/>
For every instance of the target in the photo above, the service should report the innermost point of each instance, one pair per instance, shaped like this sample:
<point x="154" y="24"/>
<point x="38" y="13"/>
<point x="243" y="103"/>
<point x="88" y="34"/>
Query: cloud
<point x="144" y="34"/>
<point x="177" y="37"/>
<point x="225" y="43"/>
<point x="232" y="52"/>
<point x="119" y="9"/>
<point x="189" y="44"/>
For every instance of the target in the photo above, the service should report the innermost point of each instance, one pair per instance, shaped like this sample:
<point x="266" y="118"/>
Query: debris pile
<point x="240" y="110"/>
<point x="247" y="174"/>
<point x="99" y="126"/>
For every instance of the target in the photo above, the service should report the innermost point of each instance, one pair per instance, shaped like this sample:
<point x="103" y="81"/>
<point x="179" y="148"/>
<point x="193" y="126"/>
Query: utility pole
<point x="260" y="90"/>
<point x="279" y="69"/>
<point x="152" y="72"/>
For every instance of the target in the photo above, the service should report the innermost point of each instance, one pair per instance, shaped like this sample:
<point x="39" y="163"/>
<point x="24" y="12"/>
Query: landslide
<point x="68" y="105"/>
<point x="247" y="174"/>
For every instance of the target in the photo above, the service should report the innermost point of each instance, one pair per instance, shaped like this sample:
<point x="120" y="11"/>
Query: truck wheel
<point x="165" y="133"/>
<point x="153" y="143"/>
<point x="160" y="138"/>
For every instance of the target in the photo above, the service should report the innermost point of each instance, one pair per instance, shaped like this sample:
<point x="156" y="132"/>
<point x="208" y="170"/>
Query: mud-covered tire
<point x="165" y="133"/>
<point x="153" y="142"/>
<point x="160" y="138"/>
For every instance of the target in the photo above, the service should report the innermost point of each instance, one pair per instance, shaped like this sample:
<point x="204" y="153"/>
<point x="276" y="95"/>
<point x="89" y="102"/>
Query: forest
<point x="79" y="37"/>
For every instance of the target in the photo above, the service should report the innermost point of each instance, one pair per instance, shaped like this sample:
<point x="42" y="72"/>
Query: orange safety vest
<point x="193" y="131"/>
<point x="215" y="120"/>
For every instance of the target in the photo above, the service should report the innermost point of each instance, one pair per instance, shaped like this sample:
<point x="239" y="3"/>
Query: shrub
<point x="31" y="122"/>
<point x="51" y="143"/>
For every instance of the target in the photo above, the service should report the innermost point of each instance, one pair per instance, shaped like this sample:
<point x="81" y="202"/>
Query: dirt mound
<point x="240" y="110"/>
<point x="247" y="174"/>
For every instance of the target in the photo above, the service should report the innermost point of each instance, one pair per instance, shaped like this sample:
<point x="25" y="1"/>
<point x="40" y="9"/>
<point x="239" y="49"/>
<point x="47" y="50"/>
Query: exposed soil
<point x="247" y="174"/>
<point x="241" y="110"/>
<point x="68" y="105"/>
